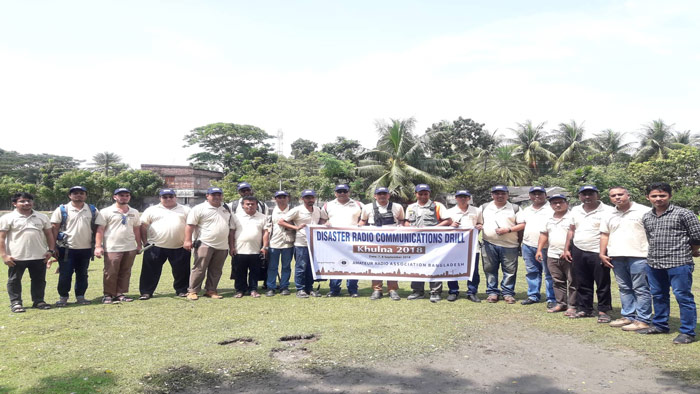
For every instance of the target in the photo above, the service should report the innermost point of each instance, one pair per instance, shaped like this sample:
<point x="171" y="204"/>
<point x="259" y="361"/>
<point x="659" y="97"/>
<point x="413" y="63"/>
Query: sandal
<point x="556" y="309"/>
<point x="42" y="305"/>
<point x="581" y="314"/>
<point x="570" y="312"/>
<point x="254" y="294"/>
<point x="123" y="298"/>
<point x="604" y="318"/>
<point x="62" y="302"/>
<point x="238" y="295"/>
<point x="17" y="308"/>
<point x="107" y="300"/>
<point x="145" y="297"/>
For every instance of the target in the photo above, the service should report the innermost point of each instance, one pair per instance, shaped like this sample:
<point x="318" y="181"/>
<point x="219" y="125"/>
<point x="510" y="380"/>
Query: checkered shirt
<point x="670" y="237"/>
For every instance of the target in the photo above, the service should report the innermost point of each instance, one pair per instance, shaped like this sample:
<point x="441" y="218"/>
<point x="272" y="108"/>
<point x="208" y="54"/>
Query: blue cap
<point x="244" y="185"/>
<point x="499" y="188"/>
<point x="381" y="190"/>
<point x="308" y="192"/>
<point x="281" y="193"/>
<point x="213" y="190"/>
<point x="588" y="187"/>
<point x="163" y="192"/>
<point x="538" y="189"/>
<point x="77" y="188"/>
<point x="422" y="187"/>
<point x="463" y="192"/>
<point x="342" y="186"/>
<point x="552" y="197"/>
<point x="121" y="190"/>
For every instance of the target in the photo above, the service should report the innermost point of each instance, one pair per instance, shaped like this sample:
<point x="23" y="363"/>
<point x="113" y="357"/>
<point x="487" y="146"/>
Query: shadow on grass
<point x="176" y="379"/>
<point x="82" y="381"/>
<point x="683" y="381"/>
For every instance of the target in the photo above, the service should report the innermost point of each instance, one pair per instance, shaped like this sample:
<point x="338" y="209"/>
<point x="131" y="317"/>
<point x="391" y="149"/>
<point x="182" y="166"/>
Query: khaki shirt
<point x="368" y="213"/>
<point x="249" y="232"/>
<point x="492" y="218"/>
<point x="166" y="227"/>
<point x="627" y="235"/>
<point x="587" y="224"/>
<point x="557" y="230"/>
<point x="300" y="215"/>
<point x="340" y="215"/>
<point x="78" y="230"/>
<point x="466" y="219"/>
<point x="280" y="237"/>
<point x="213" y="224"/>
<point x="535" y="220"/>
<point x="119" y="229"/>
<point x="25" y="238"/>
<point x="415" y="213"/>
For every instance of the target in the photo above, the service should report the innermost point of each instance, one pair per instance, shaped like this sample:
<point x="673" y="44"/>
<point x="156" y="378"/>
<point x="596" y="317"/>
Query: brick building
<point x="190" y="184"/>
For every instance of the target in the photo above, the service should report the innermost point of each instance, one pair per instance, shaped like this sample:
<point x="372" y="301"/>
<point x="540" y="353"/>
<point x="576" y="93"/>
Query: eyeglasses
<point x="124" y="217"/>
<point x="166" y="196"/>
<point x="341" y="191"/>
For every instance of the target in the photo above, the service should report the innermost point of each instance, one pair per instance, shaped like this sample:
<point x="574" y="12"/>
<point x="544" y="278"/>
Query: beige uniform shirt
<point x="557" y="230"/>
<point x="535" y="220"/>
<point x="627" y="235"/>
<point x="280" y="237"/>
<point x="368" y="213"/>
<point x="119" y="229"/>
<point x="78" y="231"/>
<point x="587" y="233"/>
<point x="213" y="225"/>
<point x="340" y="215"/>
<point x="466" y="219"/>
<point x="25" y="238"/>
<point x="300" y="215"/>
<point x="249" y="232"/>
<point x="492" y="218"/>
<point x="166" y="227"/>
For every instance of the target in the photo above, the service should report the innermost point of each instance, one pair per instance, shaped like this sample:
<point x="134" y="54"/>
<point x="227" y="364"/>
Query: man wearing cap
<point x="75" y="227"/>
<point x="213" y="228"/>
<point x="163" y="228"/>
<point x="281" y="247"/>
<point x="122" y="241"/>
<point x="585" y="254"/>
<point x="26" y="243"/>
<point x="244" y="190"/>
<point x="624" y="248"/>
<point x="464" y="215"/>
<point x="500" y="244"/>
<point x="251" y="246"/>
<point x="426" y="213"/>
<point x="553" y="235"/>
<point x="383" y="212"/>
<point x="343" y="212"/>
<point x="296" y="219"/>
<point x="535" y="218"/>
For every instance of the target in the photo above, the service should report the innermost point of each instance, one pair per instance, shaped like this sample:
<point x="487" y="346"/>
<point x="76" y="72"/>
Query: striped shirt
<point x="671" y="236"/>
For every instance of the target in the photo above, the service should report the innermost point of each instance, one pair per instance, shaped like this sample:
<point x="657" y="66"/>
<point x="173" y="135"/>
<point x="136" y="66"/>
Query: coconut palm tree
<point x="105" y="161"/>
<point x="609" y="144"/>
<point x="656" y="141"/>
<point x="507" y="167"/>
<point x="530" y="141"/>
<point x="569" y="138"/>
<point x="399" y="161"/>
<point x="686" y="138"/>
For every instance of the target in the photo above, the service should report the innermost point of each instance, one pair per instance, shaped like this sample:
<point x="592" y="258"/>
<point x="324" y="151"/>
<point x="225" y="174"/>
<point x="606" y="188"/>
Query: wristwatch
<point x="51" y="251"/>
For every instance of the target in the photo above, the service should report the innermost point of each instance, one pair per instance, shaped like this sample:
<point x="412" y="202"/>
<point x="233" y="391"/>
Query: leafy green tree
<point x="27" y="168"/>
<point x="657" y="141"/>
<point x="108" y="161"/>
<point x="569" y="144"/>
<point x="344" y="149"/>
<point x="531" y="143"/>
<point x="302" y="147"/>
<point x="457" y="138"/>
<point x="603" y="177"/>
<point x="610" y="147"/>
<point x="141" y="183"/>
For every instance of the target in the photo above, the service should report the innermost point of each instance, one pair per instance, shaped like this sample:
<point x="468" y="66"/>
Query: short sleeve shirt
<point x="78" y="231"/>
<point x="340" y="215"/>
<point x="492" y="218"/>
<point x="535" y="220"/>
<point x="213" y="224"/>
<point x="119" y="229"/>
<point x="587" y="233"/>
<point x="557" y="229"/>
<point x="368" y="213"/>
<point x="25" y="238"/>
<point x="280" y="237"/>
<point x="300" y="215"/>
<point x="166" y="226"/>
<point x="249" y="234"/>
<point x="466" y="219"/>
<point x="627" y="236"/>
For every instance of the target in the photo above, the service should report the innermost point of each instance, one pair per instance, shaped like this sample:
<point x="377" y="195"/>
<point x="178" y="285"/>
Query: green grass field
<point x="168" y="342"/>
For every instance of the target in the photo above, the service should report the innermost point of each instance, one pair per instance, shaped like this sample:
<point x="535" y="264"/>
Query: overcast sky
<point x="133" y="77"/>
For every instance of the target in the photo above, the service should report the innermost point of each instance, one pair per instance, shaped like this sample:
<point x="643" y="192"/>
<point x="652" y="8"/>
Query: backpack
<point x="93" y="226"/>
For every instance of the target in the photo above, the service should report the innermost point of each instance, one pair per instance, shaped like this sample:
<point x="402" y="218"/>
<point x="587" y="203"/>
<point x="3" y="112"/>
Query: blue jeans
<point x="495" y="257"/>
<point x="534" y="270"/>
<point x="336" y="283"/>
<point x="273" y="263"/>
<point x="77" y="260"/>
<point x="472" y="285"/>
<point x="631" y="278"/>
<point x="303" y="277"/>
<point x="681" y="280"/>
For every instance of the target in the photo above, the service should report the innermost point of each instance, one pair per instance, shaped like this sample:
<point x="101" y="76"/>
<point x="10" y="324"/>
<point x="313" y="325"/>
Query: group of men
<point x="649" y="250"/>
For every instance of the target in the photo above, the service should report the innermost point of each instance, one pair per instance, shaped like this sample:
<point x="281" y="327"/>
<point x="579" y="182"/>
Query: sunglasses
<point x="341" y="191"/>
<point x="124" y="217"/>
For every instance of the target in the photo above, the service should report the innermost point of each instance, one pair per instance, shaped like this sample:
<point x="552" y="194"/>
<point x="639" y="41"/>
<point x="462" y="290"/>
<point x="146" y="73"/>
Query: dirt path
<point x="510" y="361"/>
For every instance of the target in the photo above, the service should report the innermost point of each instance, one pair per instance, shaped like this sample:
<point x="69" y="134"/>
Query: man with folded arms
<point x="251" y="245"/>
<point x="214" y="238"/>
<point x="464" y="215"/>
<point x="383" y="212"/>
<point x="281" y="247"/>
<point x="163" y="226"/>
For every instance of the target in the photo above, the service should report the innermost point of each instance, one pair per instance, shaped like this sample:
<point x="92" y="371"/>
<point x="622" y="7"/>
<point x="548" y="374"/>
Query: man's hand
<point x="501" y="231"/>
<point x="567" y="256"/>
<point x="232" y="252"/>
<point x="605" y="260"/>
<point x="538" y="256"/>
<point x="187" y="245"/>
<point x="264" y="251"/>
<point x="99" y="252"/>
<point x="9" y="260"/>
<point x="299" y="227"/>
<point x="454" y="224"/>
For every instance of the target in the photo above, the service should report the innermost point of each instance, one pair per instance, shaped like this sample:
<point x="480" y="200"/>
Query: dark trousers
<point x="37" y="274"/>
<point x="153" y="260"/>
<point x="246" y="271"/>
<point x="70" y="261"/>
<point x="587" y="271"/>
<point x="472" y="285"/>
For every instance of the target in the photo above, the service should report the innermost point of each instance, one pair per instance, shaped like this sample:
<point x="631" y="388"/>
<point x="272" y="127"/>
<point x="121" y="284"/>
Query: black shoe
<point x="528" y="301"/>
<point x="683" y="339"/>
<point x="473" y="298"/>
<point x="302" y="294"/>
<point x="435" y="297"/>
<point x="377" y="294"/>
<point x="315" y="293"/>
<point x="651" y="330"/>
<point x="452" y="297"/>
<point x="394" y="295"/>
<point x="285" y="292"/>
<point x="551" y="305"/>
<point x="416" y="295"/>
<point x="331" y="294"/>
<point x="269" y="293"/>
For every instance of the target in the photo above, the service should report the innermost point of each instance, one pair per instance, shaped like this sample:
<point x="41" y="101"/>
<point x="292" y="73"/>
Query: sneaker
<point x="635" y="326"/>
<point x="492" y="298"/>
<point x="331" y="294"/>
<point x="394" y="295"/>
<point x="527" y="301"/>
<point x="62" y="301"/>
<point x="416" y="295"/>
<point x="621" y="322"/>
<point x="473" y="298"/>
<point x="285" y="292"/>
<point x="452" y="297"/>
<point x="683" y="339"/>
<point x="377" y="294"/>
<point x="270" y="293"/>
<point x="302" y="294"/>
<point x="315" y="293"/>
<point x="435" y="297"/>
<point x="651" y="331"/>
<point x="192" y="296"/>
<point x="509" y="299"/>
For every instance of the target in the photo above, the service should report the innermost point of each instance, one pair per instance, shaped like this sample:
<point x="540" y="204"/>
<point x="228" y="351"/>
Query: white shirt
<point x="78" y="231"/>
<point x="166" y="226"/>
<point x="535" y="220"/>
<point x="119" y="233"/>
<point x="466" y="219"/>
<point x="280" y="237"/>
<point x="587" y="233"/>
<point x="300" y="215"/>
<point x="340" y="215"/>
<point x="249" y="232"/>
<point x="25" y="238"/>
<point x="368" y="213"/>
<point x="557" y="230"/>
<point x="627" y="235"/>
<point x="492" y="218"/>
<point x="213" y="224"/>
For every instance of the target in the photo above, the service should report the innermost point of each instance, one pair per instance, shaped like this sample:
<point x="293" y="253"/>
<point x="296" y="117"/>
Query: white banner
<point x="392" y="253"/>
